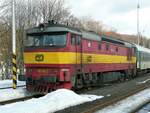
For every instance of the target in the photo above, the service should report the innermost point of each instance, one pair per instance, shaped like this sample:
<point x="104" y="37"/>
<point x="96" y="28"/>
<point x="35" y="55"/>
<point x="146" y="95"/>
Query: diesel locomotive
<point x="58" y="56"/>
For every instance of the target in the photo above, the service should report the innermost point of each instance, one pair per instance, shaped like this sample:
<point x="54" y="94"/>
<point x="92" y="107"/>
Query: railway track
<point x="16" y="100"/>
<point x="117" y="92"/>
<point x="139" y="108"/>
<point x="11" y="87"/>
<point x="98" y="104"/>
<point x="20" y="99"/>
<point x="101" y="105"/>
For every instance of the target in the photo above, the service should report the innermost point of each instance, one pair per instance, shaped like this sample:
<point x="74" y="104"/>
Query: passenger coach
<point x="143" y="59"/>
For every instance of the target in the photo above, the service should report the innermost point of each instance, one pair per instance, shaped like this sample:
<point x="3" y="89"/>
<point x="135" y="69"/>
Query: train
<point x="59" y="56"/>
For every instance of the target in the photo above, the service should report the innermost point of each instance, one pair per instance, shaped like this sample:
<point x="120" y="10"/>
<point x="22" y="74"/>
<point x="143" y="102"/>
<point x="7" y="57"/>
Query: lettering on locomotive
<point x="39" y="57"/>
<point x="89" y="58"/>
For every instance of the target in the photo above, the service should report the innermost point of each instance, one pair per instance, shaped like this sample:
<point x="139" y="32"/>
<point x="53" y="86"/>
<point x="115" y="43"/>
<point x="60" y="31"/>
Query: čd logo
<point x="39" y="57"/>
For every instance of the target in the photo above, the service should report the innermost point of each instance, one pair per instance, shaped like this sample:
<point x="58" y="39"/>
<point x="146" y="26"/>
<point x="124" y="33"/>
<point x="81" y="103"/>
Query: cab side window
<point x="116" y="49"/>
<point x="75" y="39"/>
<point x="78" y="40"/>
<point x="107" y="47"/>
<point x="99" y="46"/>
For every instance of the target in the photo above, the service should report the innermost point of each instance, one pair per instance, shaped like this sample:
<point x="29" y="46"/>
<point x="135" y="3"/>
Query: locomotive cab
<point x="49" y="55"/>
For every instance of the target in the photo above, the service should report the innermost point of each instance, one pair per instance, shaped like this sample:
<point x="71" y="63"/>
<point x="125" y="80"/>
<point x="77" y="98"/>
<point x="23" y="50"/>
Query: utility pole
<point x="14" y="66"/>
<point x="138" y="31"/>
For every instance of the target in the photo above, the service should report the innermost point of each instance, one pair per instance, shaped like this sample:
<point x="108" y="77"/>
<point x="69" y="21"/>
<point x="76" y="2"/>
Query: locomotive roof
<point x="43" y="28"/>
<point x="51" y="27"/>
<point x="62" y="28"/>
<point x="116" y="41"/>
<point x="91" y="35"/>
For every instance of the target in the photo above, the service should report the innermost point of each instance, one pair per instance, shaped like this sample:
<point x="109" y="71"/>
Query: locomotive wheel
<point x="79" y="82"/>
<point x="122" y="78"/>
<point x="134" y="73"/>
<point x="128" y="74"/>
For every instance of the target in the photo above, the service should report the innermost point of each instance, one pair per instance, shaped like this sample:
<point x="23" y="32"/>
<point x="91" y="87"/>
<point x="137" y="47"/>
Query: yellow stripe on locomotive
<point x="73" y="58"/>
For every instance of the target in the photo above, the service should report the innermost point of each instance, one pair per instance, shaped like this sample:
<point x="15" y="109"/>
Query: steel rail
<point x="11" y="87"/>
<point x="35" y="95"/>
<point x="114" y="100"/>
<point x="15" y="100"/>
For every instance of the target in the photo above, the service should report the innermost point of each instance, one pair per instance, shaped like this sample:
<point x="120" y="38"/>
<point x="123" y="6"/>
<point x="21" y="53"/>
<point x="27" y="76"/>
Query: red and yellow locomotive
<point x="58" y="56"/>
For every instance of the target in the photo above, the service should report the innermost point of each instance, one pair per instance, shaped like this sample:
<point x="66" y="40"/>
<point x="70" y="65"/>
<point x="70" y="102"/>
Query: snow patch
<point x="51" y="102"/>
<point x="92" y="97"/>
<point x="108" y="95"/>
<point x="9" y="94"/>
<point x="143" y="82"/>
<point x="8" y="83"/>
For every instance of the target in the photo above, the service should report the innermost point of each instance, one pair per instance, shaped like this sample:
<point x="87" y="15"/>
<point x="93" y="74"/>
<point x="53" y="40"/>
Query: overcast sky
<point x="118" y="14"/>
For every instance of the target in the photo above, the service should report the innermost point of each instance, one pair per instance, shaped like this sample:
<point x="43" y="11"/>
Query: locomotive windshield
<point x="46" y="40"/>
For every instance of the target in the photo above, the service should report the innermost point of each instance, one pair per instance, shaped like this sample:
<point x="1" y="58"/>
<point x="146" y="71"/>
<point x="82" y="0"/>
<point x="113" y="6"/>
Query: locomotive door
<point x="76" y="42"/>
<point x="129" y="57"/>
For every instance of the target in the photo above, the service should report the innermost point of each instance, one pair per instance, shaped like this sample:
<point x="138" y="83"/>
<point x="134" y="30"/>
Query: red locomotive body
<point x="58" y="56"/>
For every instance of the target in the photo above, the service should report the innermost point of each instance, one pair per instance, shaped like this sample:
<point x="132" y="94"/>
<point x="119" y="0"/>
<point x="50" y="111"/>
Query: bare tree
<point x="53" y="10"/>
<point x="28" y="13"/>
<point x="32" y="12"/>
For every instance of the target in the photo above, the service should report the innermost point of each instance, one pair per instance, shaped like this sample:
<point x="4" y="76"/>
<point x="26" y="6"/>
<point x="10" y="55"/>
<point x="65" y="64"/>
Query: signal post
<point x="14" y="66"/>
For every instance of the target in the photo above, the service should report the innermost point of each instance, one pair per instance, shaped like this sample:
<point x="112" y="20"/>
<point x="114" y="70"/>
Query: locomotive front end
<point x="46" y="59"/>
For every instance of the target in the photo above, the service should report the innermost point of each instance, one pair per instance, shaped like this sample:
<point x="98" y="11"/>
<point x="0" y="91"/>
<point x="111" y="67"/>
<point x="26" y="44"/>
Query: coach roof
<point x="142" y="49"/>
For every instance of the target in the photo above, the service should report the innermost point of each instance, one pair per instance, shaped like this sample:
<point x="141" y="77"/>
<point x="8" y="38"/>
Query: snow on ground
<point x="49" y="103"/>
<point x="8" y="83"/>
<point x="8" y="94"/>
<point x="92" y="97"/>
<point x="145" y="109"/>
<point x="129" y="104"/>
